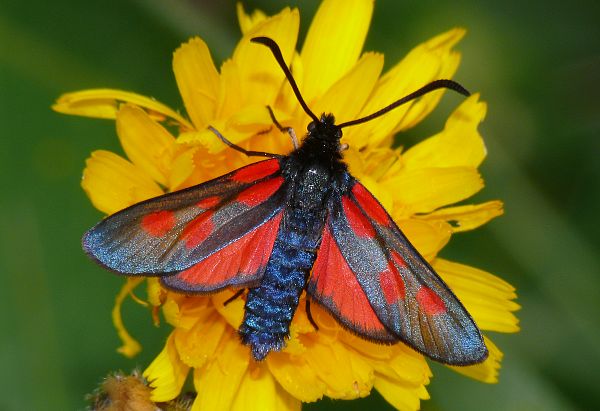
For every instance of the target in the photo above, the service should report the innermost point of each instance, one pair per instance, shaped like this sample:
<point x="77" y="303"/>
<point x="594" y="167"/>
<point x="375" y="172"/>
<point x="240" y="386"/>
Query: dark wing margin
<point x="410" y="300"/>
<point x="172" y="233"/>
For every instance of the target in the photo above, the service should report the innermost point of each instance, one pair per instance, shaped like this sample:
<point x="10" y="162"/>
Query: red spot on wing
<point x="208" y="202"/>
<point x="398" y="260"/>
<point x="359" y="224"/>
<point x="198" y="230"/>
<point x="240" y="260"/>
<point x="370" y="205"/>
<point x="392" y="284"/>
<point x="258" y="193"/>
<point x="430" y="302"/>
<point x="256" y="171"/>
<point x="335" y="281"/>
<point x="158" y="223"/>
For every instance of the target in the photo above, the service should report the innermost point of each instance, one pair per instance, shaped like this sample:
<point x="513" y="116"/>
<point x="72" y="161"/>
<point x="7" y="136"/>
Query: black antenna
<point x="434" y="85"/>
<point x="266" y="41"/>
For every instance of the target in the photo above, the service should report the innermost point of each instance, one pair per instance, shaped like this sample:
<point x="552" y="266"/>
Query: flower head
<point x="418" y="187"/>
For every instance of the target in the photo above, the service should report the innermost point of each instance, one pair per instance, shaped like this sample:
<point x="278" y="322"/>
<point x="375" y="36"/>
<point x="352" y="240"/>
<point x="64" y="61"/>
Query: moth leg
<point x="309" y="315"/>
<point x="344" y="147"/>
<point x="240" y="149"/>
<point x="283" y="129"/>
<point x="234" y="296"/>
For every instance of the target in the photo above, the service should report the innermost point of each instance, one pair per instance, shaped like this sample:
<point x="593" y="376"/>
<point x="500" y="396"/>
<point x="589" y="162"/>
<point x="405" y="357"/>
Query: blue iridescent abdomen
<point x="270" y="306"/>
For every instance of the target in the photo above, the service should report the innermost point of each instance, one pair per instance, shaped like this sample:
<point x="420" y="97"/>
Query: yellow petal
<point x="252" y="120"/>
<point x="249" y="121"/>
<point x="197" y="79"/>
<point x="404" y="365"/>
<point x="218" y="382"/>
<point x="299" y="327"/>
<point x="249" y="21"/>
<point x="402" y="396"/>
<point x="192" y="309"/>
<point x="296" y="376"/>
<point x="203" y="137"/>
<point x="369" y="167"/>
<point x="230" y="85"/>
<point x="130" y="346"/>
<point x="401" y="379"/>
<point x="259" y="390"/>
<point x="429" y="61"/>
<point x="260" y="75"/>
<point x="166" y="374"/>
<point x="104" y="103"/>
<point x="113" y="183"/>
<point x="197" y="345"/>
<point x="373" y="352"/>
<point x="459" y="144"/>
<point x="436" y="60"/>
<point x="333" y="43"/>
<point x="428" y="237"/>
<point x="154" y="291"/>
<point x="347" y="96"/>
<point x="171" y="311"/>
<point x="488" y="298"/>
<point x="364" y="377"/>
<point x="233" y="312"/>
<point x="147" y="144"/>
<point x="182" y="168"/>
<point x="487" y="371"/>
<point x="424" y="190"/>
<point x="467" y="217"/>
<point x="344" y="372"/>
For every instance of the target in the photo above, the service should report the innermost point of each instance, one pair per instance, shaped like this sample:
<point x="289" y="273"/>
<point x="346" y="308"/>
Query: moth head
<point x="325" y="128"/>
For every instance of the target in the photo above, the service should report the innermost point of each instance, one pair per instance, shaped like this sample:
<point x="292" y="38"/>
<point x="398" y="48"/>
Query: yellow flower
<point x="418" y="187"/>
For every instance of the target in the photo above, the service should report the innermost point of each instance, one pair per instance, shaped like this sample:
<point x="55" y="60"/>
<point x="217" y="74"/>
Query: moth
<point x="289" y="224"/>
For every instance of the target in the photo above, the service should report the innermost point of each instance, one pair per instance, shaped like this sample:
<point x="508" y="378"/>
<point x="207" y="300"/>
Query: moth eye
<point x="311" y="126"/>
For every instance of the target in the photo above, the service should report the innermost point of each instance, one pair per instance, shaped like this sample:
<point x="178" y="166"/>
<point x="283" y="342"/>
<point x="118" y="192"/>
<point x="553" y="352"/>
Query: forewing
<point x="334" y="285"/>
<point x="173" y="232"/>
<point x="407" y="296"/>
<point x="239" y="264"/>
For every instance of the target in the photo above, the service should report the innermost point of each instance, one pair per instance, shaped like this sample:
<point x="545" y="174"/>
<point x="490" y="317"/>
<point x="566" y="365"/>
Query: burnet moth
<point x="288" y="224"/>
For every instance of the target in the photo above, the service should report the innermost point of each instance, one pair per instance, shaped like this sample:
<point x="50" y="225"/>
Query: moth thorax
<point x="312" y="183"/>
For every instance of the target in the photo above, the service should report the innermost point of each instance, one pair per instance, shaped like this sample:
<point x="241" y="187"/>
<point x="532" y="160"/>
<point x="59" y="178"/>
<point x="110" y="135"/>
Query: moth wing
<point x="170" y="234"/>
<point x="335" y="286"/>
<point x="411" y="302"/>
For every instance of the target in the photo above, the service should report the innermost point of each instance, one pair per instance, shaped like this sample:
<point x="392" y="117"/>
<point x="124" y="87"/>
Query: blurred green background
<point x="536" y="64"/>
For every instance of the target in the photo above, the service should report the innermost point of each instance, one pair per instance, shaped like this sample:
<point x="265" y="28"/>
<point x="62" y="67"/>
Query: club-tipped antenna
<point x="434" y="85"/>
<point x="270" y="43"/>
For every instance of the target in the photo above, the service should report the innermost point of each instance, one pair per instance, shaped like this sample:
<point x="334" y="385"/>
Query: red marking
<point x="242" y="258"/>
<point x="398" y="259"/>
<point x="198" y="230"/>
<point x="335" y="280"/>
<point x="158" y="223"/>
<point x="256" y="171"/>
<point x="430" y="302"/>
<point x="370" y="205"/>
<point x="392" y="284"/>
<point x="253" y="196"/>
<point x="208" y="202"/>
<point x="357" y="220"/>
